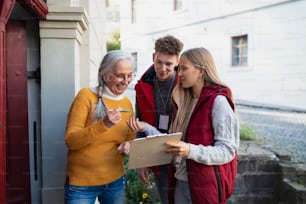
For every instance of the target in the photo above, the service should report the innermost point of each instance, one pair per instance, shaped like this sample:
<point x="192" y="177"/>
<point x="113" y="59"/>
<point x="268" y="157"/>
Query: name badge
<point x="163" y="122"/>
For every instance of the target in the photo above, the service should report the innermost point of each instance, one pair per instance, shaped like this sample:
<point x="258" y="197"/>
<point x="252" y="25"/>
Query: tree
<point x="114" y="42"/>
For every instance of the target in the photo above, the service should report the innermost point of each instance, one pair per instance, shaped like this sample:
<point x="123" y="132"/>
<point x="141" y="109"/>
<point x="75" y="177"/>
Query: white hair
<point x="108" y="62"/>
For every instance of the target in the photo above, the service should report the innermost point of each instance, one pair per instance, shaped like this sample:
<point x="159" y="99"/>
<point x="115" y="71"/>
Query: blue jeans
<point x="112" y="193"/>
<point x="182" y="193"/>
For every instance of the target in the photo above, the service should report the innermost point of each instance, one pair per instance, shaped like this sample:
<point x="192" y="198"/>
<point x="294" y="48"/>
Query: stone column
<point x="62" y="35"/>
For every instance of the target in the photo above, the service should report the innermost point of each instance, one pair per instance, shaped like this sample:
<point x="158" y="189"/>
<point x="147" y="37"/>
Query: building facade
<point x="48" y="51"/>
<point x="258" y="46"/>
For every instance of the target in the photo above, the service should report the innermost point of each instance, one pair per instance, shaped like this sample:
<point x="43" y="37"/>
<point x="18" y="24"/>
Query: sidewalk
<point x="281" y="127"/>
<point x="268" y="106"/>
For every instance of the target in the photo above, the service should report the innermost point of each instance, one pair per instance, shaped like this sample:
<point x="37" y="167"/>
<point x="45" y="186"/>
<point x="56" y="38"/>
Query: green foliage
<point x="116" y="36"/>
<point x="247" y="132"/>
<point x="114" y="42"/>
<point x="110" y="45"/>
<point x="136" y="191"/>
<point x="299" y="180"/>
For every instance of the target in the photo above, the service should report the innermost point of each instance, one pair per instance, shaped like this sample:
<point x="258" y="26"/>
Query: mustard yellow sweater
<point x="93" y="158"/>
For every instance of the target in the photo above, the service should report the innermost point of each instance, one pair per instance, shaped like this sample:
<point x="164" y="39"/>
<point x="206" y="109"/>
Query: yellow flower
<point x="145" y="195"/>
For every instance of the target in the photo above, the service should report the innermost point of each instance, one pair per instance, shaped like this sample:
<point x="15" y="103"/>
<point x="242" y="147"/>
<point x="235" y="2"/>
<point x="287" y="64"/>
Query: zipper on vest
<point x="218" y="183"/>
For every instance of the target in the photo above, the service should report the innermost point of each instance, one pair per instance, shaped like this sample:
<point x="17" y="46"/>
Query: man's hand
<point x="135" y="124"/>
<point x="143" y="174"/>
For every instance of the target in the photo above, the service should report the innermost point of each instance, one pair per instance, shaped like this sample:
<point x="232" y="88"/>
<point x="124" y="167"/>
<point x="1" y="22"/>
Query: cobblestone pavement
<point x="284" y="129"/>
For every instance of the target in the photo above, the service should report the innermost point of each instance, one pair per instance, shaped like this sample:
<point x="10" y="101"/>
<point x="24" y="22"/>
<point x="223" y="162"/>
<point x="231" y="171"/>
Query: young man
<point x="153" y="100"/>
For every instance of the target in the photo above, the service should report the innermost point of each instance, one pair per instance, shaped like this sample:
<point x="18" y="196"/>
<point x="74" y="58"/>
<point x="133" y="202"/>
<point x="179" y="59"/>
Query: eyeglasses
<point x="122" y="77"/>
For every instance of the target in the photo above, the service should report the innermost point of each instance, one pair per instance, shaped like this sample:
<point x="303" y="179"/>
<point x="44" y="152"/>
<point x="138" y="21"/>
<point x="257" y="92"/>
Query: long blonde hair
<point x="182" y="97"/>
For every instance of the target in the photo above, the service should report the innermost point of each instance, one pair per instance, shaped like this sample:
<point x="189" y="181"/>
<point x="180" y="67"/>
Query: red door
<point x="18" y="176"/>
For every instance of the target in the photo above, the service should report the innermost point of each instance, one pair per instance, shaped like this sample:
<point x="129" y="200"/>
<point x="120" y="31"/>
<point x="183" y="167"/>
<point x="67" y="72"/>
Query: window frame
<point x="133" y="11"/>
<point x="177" y="5"/>
<point x="242" y="46"/>
<point x="135" y="60"/>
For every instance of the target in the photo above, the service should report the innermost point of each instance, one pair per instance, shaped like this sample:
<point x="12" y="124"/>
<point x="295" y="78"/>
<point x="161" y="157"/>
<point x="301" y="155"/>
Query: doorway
<point x="23" y="113"/>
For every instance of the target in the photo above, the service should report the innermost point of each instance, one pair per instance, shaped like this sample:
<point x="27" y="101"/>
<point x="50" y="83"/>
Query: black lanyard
<point x="168" y="94"/>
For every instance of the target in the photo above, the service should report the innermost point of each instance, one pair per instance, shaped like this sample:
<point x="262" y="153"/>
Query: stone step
<point x="294" y="172"/>
<point x="293" y="192"/>
<point x="252" y="199"/>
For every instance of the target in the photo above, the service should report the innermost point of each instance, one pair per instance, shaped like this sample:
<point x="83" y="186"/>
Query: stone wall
<point x="266" y="175"/>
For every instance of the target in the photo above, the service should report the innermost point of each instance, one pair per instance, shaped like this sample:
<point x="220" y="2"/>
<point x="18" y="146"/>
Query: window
<point x="133" y="11"/>
<point x="135" y="59"/>
<point x="75" y="3"/>
<point x="107" y="4"/>
<point x="240" y="50"/>
<point x="177" y="5"/>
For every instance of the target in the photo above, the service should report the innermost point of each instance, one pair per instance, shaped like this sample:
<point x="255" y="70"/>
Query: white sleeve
<point x="150" y="130"/>
<point x="226" y="136"/>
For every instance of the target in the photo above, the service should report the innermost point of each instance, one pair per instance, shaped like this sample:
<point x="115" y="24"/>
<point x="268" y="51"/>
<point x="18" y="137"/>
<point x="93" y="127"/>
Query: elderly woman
<point x="97" y="135"/>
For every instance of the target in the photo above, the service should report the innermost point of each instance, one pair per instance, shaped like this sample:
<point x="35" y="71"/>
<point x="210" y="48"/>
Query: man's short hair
<point x="169" y="45"/>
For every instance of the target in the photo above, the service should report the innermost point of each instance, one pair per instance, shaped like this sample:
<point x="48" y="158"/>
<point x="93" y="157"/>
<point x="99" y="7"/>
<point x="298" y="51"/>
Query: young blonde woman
<point x="205" y="161"/>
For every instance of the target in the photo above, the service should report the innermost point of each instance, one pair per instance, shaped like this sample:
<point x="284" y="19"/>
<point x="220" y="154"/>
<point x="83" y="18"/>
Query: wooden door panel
<point x="18" y="173"/>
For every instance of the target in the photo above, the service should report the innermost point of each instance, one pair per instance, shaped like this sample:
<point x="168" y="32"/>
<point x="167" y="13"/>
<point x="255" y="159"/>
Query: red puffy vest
<point x="209" y="184"/>
<point x="145" y="102"/>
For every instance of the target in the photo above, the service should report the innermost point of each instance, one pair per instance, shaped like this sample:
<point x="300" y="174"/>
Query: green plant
<point x="247" y="132"/>
<point x="299" y="180"/>
<point x="138" y="192"/>
<point x="114" y="42"/>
